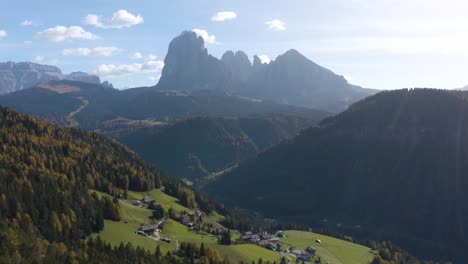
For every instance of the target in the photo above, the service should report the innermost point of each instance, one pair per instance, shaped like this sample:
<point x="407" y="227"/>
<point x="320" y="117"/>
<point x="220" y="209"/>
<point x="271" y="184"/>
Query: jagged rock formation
<point x="188" y="66"/>
<point x="291" y="78"/>
<point x="238" y="68"/>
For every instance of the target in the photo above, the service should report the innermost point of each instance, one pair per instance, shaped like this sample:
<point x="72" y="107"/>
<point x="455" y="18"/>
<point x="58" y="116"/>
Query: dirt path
<point x="207" y="179"/>
<point x="71" y="117"/>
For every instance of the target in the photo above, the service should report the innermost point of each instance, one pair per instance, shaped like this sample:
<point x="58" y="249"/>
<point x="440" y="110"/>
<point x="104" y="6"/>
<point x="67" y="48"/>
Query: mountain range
<point x="291" y="78"/>
<point x="22" y="75"/>
<point x="161" y="126"/>
<point x="393" y="165"/>
<point x="94" y="106"/>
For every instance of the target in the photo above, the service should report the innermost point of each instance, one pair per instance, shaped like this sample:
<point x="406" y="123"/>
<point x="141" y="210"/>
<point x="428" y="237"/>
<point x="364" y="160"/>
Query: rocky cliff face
<point x="22" y="75"/>
<point x="294" y="79"/>
<point x="188" y="66"/>
<point x="237" y="66"/>
<point x="291" y="78"/>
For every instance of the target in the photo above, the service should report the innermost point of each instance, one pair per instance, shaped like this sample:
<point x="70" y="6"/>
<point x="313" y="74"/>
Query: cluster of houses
<point x="302" y="255"/>
<point x="264" y="239"/>
<point x="187" y="219"/>
<point x="145" y="201"/>
<point x="273" y="242"/>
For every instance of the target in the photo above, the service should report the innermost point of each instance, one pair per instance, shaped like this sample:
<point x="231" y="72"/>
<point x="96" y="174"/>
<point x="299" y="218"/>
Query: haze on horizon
<point x="379" y="44"/>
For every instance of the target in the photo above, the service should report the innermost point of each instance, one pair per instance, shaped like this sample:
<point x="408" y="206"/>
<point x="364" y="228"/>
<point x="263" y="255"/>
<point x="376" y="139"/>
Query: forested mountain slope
<point x="198" y="146"/>
<point x="46" y="173"/>
<point x="394" y="165"/>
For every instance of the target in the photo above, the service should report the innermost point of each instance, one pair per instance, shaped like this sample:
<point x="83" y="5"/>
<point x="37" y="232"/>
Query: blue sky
<point x="381" y="44"/>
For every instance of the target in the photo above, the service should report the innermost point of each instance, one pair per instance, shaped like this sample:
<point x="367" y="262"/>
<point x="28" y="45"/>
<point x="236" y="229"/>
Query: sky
<point x="381" y="44"/>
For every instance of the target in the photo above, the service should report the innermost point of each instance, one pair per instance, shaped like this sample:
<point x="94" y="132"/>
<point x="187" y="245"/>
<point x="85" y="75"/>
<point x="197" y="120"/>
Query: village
<point x="273" y="242"/>
<point x="194" y="220"/>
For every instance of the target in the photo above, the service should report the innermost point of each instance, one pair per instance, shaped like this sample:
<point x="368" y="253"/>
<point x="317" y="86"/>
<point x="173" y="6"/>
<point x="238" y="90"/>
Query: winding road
<point x="71" y="116"/>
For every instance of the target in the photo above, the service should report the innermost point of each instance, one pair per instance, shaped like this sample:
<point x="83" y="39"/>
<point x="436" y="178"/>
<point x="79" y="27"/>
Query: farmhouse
<point x="280" y="234"/>
<point x="148" y="229"/>
<point x="311" y="250"/>
<point x="272" y="246"/>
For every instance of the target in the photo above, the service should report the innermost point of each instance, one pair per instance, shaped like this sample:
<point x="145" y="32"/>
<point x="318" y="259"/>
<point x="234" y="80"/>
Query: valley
<point x="209" y="155"/>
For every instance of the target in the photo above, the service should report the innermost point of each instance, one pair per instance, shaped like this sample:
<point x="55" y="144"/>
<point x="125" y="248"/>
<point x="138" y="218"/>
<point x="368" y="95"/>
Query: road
<point x="71" y="117"/>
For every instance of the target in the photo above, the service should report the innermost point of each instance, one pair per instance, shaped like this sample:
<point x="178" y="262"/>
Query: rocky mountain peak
<point x="188" y="66"/>
<point x="237" y="65"/>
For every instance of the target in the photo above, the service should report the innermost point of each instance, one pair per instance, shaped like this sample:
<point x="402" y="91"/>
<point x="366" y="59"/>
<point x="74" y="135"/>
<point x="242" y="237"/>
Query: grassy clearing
<point x="247" y="253"/>
<point x="121" y="232"/>
<point x="161" y="198"/>
<point x="331" y="249"/>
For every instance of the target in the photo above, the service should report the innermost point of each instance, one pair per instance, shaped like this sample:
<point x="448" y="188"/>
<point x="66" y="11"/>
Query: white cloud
<point x="152" y="66"/>
<point x="113" y="70"/>
<point x="152" y="56"/>
<point x="27" y="42"/>
<point x="223" y="16"/>
<point x="264" y="59"/>
<point x="98" y="51"/>
<point x="109" y="70"/>
<point x="136" y="56"/>
<point x="276" y="25"/>
<point x="27" y="23"/>
<point x="62" y="33"/>
<point x="155" y="78"/>
<point x="120" y="19"/>
<point x="39" y="58"/>
<point x="3" y="33"/>
<point x="209" y="39"/>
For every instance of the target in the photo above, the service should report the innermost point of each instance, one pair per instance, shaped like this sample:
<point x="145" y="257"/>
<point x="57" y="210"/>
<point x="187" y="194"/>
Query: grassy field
<point x="331" y="249"/>
<point x="121" y="232"/>
<point x="161" y="198"/>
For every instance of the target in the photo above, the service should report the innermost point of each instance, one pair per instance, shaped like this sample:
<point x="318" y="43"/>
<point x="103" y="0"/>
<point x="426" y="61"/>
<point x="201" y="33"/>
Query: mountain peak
<point x="188" y="66"/>
<point x="257" y="63"/>
<point x="292" y="55"/>
<point x="292" y="78"/>
<point x="189" y="39"/>
<point x="238" y="67"/>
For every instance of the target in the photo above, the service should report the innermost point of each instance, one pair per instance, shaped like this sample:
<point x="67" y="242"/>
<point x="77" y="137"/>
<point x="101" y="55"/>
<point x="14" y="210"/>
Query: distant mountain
<point x="66" y="102"/>
<point x="294" y="79"/>
<point x="199" y="146"/>
<point x="97" y="107"/>
<point x="22" y="75"/>
<point x="291" y="78"/>
<point x="394" y="166"/>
